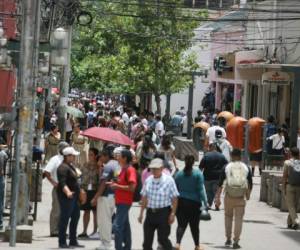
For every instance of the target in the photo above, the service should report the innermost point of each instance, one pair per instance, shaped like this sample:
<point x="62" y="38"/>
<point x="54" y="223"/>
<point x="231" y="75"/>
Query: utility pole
<point x="190" y="108"/>
<point x="35" y="63"/>
<point x="25" y="98"/>
<point x="64" y="85"/>
<point x="191" y="101"/>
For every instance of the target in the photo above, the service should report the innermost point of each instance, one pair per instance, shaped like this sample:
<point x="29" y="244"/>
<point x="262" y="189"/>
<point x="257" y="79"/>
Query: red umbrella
<point x="107" y="134"/>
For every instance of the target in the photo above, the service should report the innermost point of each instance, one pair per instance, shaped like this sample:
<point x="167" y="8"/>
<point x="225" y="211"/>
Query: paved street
<point x="264" y="228"/>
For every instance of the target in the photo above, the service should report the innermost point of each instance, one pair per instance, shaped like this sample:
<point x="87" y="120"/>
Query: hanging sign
<point x="276" y="77"/>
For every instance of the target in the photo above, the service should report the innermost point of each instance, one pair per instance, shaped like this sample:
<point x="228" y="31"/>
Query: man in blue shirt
<point x="176" y="123"/>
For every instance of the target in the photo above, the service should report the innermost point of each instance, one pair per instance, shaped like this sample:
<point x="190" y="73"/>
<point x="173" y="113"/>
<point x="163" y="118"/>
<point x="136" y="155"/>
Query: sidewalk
<point x="264" y="228"/>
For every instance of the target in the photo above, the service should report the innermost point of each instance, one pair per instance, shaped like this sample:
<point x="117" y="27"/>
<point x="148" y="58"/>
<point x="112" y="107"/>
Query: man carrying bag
<point x="237" y="180"/>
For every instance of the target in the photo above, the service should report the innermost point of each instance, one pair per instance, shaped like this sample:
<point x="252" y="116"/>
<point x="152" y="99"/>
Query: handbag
<point x="82" y="197"/>
<point x="205" y="215"/>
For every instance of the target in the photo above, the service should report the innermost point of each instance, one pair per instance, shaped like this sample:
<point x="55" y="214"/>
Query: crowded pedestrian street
<point x="264" y="228"/>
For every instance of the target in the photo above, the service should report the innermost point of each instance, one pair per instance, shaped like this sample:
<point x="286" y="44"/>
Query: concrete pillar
<point x="295" y="108"/>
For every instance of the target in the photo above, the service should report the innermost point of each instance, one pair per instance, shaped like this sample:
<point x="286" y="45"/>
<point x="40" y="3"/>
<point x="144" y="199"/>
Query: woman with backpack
<point x="192" y="195"/>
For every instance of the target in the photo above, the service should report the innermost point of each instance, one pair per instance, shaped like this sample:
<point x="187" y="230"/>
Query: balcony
<point x="212" y="4"/>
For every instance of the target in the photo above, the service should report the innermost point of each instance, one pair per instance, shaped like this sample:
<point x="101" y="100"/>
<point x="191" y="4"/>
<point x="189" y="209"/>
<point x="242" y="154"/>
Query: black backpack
<point x="138" y="188"/>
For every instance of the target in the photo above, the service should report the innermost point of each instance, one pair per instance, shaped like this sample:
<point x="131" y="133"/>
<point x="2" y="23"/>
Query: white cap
<point x="156" y="163"/>
<point x="118" y="150"/>
<point x="70" y="151"/>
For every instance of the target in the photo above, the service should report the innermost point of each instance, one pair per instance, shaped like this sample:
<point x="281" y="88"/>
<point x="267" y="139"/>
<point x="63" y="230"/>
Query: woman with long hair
<point x="79" y="143"/>
<point x="168" y="149"/>
<point x="124" y="193"/>
<point x="192" y="195"/>
<point x="51" y="142"/>
<point x="145" y="152"/>
<point x="89" y="183"/>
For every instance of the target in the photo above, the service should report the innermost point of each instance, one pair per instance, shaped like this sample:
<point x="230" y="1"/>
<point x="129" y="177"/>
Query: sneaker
<point x="94" y="236"/>
<point x="295" y="226"/>
<point x="105" y="246"/>
<point x="76" y="245"/>
<point x="236" y="245"/>
<point x="83" y="235"/>
<point x="228" y="243"/>
<point x="63" y="246"/>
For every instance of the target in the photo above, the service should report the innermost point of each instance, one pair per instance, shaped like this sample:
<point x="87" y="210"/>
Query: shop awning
<point x="266" y="66"/>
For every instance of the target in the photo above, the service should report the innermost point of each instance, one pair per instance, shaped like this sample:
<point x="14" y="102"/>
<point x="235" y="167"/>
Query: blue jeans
<point x="121" y="228"/>
<point x="69" y="209"/>
<point x="211" y="189"/>
<point x="2" y="185"/>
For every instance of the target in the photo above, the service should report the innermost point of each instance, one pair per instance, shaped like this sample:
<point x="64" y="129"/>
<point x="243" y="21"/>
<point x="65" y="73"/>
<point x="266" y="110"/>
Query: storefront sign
<point x="276" y="77"/>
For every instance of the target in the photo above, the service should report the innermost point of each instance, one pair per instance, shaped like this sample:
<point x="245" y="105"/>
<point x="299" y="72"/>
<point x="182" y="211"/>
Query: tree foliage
<point x="135" y="46"/>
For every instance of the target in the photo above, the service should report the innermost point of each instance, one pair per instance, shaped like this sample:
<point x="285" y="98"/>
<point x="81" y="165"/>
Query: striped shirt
<point x="160" y="191"/>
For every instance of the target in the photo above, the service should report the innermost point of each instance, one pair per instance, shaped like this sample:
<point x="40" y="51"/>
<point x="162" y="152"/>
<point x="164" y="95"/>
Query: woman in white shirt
<point x="278" y="142"/>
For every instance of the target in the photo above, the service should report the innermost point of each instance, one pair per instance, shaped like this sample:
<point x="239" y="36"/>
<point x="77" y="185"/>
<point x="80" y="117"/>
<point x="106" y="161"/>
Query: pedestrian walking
<point x="124" y="191"/>
<point x="211" y="132"/>
<point x="223" y="145"/>
<point x="176" y="123"/>
<point x="145" y="152"/>
<point x="50" y="172"/>
<point x="278" y="142"/>
<point x="168" y="149"/>
<point x="159" y="126"/>
<point x="291" y="184"/>
<point x="89" y="183"/>
<point x="159" y="197"/>
<point x="192" y="195"/>
<point x="68" y="195"/>
<point x="105" y="199"/>
<point x="212" y="165"/>
<point x="238" y="185"/>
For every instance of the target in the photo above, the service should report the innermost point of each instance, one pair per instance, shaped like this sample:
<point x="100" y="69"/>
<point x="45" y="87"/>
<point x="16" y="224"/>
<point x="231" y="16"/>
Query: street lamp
<point x="3" y="42"/>
<point x="60" y="33"/>
<point x="59" y="45"/>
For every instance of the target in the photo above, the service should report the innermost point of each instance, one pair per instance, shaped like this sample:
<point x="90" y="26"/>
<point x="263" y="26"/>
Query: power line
<point x="218" y="41"/>
<point x="165" y="5"/>
<point x="200" y="19"/>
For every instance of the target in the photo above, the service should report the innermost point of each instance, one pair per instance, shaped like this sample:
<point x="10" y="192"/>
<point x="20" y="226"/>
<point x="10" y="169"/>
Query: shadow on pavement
<point x="222" y="247"/>
<point x="294" y="235"/>
<point x="258" y="221"/>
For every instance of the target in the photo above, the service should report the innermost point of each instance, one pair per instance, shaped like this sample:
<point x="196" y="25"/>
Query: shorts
<point x="256" y="157"/>
<point x="88" y="206"/>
